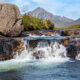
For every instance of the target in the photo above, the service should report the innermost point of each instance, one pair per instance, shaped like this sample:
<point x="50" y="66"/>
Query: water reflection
<point x="10" y="75"/>
<point x="5" y="78"/>
<point x="64" y="71"/>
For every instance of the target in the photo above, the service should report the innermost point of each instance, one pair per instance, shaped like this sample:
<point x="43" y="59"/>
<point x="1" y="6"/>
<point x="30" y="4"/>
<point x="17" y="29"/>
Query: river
<point x="53" y="65"/>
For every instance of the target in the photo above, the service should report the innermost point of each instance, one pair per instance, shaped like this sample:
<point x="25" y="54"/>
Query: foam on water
<point x="78" y="56"/>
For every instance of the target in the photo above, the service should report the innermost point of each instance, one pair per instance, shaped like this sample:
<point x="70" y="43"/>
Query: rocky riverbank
<point x="9" y="47"/>
<point x="72" y="32"/>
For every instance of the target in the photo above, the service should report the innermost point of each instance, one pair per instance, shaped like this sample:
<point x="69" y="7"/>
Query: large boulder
<point x="72" y="51"/>
<point x="10" y="20"/>
<point x="73" y="48"/>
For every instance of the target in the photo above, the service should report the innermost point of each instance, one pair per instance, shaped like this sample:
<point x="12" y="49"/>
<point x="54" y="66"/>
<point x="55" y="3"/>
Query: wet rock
<point x="20" y="48"/>
<point x="42" y="32"/>
<point x="39" y="54"/>
<point x="8" y="47"/>
<point x="10" y="20"/>
<point x="76" y="42"/>
<point x="72" y="45"/>
<point x="65" y="42"/>
<point x="33" y="43"/>
<point x="72" y="51"/>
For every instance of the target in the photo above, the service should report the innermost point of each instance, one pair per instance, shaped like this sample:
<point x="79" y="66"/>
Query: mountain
<point x="57" y="20"/>
<point x="76" y="22"/>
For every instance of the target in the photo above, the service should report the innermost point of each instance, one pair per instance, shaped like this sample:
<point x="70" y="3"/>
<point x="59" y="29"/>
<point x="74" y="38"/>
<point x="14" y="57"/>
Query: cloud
<point x="23" y="5"/>
<point x="3" y="0"/>
<point x="69" y="8"/>
<point x="51" y="5"/>
<point x="72" y="11"/>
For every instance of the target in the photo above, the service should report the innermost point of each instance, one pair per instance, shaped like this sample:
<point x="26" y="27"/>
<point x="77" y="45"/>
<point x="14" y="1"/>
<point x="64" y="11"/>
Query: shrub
<point x="49" y="25"/>
<point x="32" y="23"/>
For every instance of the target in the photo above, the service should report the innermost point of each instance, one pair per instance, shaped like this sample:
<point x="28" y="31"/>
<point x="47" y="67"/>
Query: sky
<point x="67" y="8"/>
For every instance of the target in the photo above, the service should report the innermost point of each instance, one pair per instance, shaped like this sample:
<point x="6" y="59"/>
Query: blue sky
<point x="68" y="8"/>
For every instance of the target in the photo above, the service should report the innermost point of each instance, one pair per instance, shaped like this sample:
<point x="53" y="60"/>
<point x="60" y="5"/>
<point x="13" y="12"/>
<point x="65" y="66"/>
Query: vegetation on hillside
<point x="68" y="28"/>
<point x="32" y="23"/>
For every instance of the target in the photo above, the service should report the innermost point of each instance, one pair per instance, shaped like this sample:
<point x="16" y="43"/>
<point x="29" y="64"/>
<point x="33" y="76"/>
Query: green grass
<point x="70" y="27"/>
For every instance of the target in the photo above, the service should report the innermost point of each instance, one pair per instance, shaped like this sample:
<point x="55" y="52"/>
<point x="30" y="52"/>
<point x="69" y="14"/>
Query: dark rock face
<point x="73" y="47"/>
<point x="8" y="47"/>
<point x="10" y="20"/>
<point x="72" y="51"/>
<point x="39" y="54"/>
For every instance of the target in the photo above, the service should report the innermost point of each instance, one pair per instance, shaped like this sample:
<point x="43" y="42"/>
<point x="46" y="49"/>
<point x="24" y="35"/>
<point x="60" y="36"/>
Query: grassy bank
<point x="68" y="28"/>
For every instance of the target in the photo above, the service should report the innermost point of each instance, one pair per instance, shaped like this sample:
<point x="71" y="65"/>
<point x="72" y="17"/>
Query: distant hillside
<point x="59" y="21"/>
<point x="76" y="22"/>
<point x="77" y="26"/>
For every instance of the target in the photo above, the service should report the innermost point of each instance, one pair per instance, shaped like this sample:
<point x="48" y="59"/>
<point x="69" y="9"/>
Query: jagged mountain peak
<point x="59" y="21"/>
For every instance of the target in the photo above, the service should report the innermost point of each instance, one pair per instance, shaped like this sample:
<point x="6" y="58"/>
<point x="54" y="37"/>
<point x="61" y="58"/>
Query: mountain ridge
<point x="57" y="20"/>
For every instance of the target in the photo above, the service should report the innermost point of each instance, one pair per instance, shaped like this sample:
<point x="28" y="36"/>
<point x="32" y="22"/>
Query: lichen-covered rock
<point x="10" y="20"/>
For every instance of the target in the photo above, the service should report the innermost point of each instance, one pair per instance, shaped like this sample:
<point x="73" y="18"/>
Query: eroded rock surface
<point x="10" y="20"/>
<point x="8" y="47"/>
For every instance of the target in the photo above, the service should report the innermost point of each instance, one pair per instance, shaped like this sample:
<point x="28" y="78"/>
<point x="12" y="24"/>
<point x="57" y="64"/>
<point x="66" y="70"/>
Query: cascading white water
<point x="43" y="51"/>
<point x="78" y="57"/>
<point x="43" y="55"/>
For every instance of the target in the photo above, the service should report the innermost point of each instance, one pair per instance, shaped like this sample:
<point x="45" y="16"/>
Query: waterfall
<point x="38" y="51"/>
<point x="42" y="50"/>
